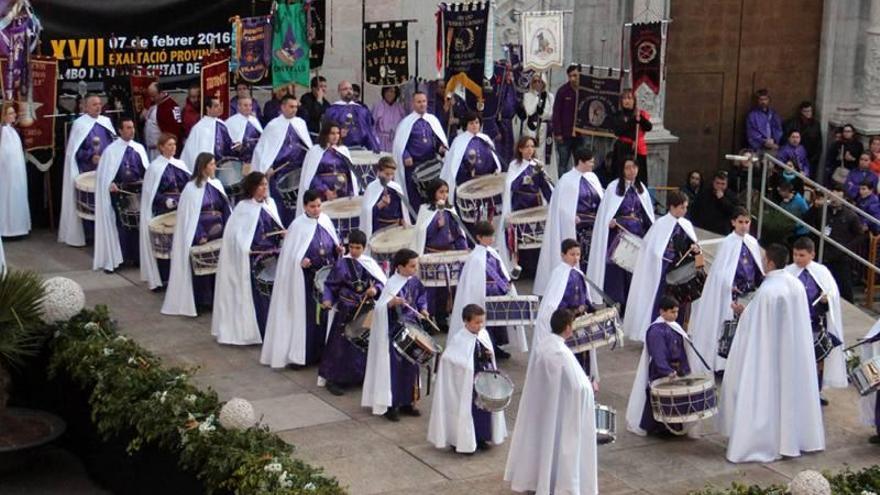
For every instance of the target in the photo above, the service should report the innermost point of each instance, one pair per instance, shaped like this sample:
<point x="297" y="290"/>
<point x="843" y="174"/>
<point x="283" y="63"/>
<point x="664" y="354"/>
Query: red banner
<point x="646" y="55"/>
<point x="139" y="97"/>
<point x="38" y="131"/>
<point x="215" y="79"/>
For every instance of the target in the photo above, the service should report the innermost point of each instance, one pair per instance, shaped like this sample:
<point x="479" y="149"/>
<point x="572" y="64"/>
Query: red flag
<point x="215" y="79"/>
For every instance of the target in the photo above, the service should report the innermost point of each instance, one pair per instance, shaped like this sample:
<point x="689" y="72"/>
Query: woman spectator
<point x="631" y="123"/>
<point x="387" y="113"/>
<point x="693" y="186"/>
<point x="845" y="153"/>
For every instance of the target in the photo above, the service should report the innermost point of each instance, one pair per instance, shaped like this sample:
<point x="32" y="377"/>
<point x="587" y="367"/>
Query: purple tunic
<point x="761" y="125"/>
<point x="222" y="142"/>
<point x="170" y="186"/>
<point x="333" y="174"/>
<point x="796" y="155"/>
<point x="575" y="298"/>
<point x="442" y="234"/>
<point x="212" y="219"/>
<point x="292" y="151"/>
<point x="385" y="120"/>
<point x="421" y="146"/>
<point x="679" y="243"/>
<point x="248" y="143"/>
<point x="747" y="277"/>
<point x="94" y="144"/>
<point x="588" y="204"/>
<point x="261" y="243"/>
<point x="634" y="219"/>
<point x="813" y="293"/>
<point x="667" y="355"/>
<point x="321" y="252"/>
<point x="271" y="109"/>
<point x="482" y="419"/>
<point x="129" y="178"/>
<point x="497" y="284"/>
<point x="359" y="123"/>
<point x="404" y="375"/>
<point x="855" y="179"/>
<point x="478" y="160"/>
<point x="390" y="214"/>
<point x="870" y="205"/>
<point x="498" y="112"/>
<point x="529" y="189"/>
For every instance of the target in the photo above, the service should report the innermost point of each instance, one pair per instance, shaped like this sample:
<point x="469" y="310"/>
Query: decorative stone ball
<point x="237" y="414"/>
<point x="809" y="482"/>
<point x="64" y="299"/>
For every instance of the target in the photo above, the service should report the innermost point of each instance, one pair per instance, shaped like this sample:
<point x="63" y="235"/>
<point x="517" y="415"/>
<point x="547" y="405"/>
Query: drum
<point x="388" y="241"/>
<point x="424" y="173"/>
<point x="85" y="195"/>
<point x="686" y="282"/>
<point x="822" y="345"/>
<point x="594" y="330"/>
<point x="415" y="345"/>
<point x="345" y="214"/>
<point x="288" y="188"/>
<point x="528" y="226"/>
<point x="441" y="269"/>
<point x="205" y="257"/>
<point x="866" y="376"/>
<point x="320" y="279"/>
<point x="493" y="390"/>
<point x="162" y="234"/>
<point x="265" y="278"/>
<point x="626" y="253"/>
<point x="683" y="399"/>
<point x="503" y="311"/>
<point x="363" y="163"/>
<point x="128" y="209"/>
<point x="480" y="197"/>
<point x="357" y="331"/>
<point x="728" y="331"/>
<point x="606" y="424"/>
<point x="229" y="173"/>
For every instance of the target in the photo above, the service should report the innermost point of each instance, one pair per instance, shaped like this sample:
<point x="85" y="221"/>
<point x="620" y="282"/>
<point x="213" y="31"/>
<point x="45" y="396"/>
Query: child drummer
<point x="353" y="285"/>
<point x="384" y="201"/>
<point x="456" y="420"/>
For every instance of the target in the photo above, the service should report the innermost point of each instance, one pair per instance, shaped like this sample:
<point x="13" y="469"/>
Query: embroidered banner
<point x="542" y="40"/>
<point x="215" y="79"/>
<point x="316" y="16"/>
<point x="598" y="98"/>
<point x="37" y="101"/>
<point x="645" y="50"/>
<point x="465" y="28"/>
<point x="251" y="48"/>
<point x="290" y="46"/>
<point x="386" y="53"/>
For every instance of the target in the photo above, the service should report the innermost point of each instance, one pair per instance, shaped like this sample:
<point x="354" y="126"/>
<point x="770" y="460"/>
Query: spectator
<point x="868" y="202"/>
<point x="272" y="108"/>
<point x="192" y="110"/>
<point x="763" y="125"/>
<point x="387" y="113"/>
<point x="811" y="134"/>
<point x="792" y="202"/>
<point x="563" y="121"/>
<point x="630" y="123"/>
<point x="845" y="153"/>
<point x="162" y="116"/>
<point x="859" y="175"/>
<point x="714" y="206"/>
<point x="313" y="104"/>
<point x="874" y="150"/>
<point x="793" y="153"/>
<point x="604" y="169"/>
<point x="243" y="90"/>
<point x="356" y="93"/>
<point x="693" y="186"/>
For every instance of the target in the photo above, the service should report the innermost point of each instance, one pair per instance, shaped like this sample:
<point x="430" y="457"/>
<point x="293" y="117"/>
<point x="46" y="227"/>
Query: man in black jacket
<point x="811" y="134"/>
<point x="313" y="104"/>
<point x="714" y="206"/>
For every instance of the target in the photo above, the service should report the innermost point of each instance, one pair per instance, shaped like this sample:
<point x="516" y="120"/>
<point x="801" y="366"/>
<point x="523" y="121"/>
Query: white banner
<point x="542" y="40"/>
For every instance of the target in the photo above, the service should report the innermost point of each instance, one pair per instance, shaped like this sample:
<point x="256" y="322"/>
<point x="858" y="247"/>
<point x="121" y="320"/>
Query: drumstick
<point x="123" y="191"/>
<point x="818" y="299"/>
<point x="272" y="251"/>
<point x="276" y="232"/>
<point x="421" y="316"/>
<point x="685" y="255"/>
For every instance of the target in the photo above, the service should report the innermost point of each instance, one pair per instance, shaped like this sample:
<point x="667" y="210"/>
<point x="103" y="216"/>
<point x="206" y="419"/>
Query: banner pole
<point x="363" y="44"/>
<point x="417" y="56"/>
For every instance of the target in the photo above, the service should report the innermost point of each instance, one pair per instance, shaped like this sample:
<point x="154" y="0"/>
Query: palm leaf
<point x="21" y="326"/>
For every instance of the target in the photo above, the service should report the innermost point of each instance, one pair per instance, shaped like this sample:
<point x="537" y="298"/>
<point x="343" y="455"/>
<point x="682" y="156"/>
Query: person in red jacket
<point x="192" y="111"/>
<point x="162" y="116"/>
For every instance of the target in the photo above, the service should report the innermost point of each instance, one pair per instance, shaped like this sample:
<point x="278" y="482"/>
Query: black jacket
<point x="713" y="214"/>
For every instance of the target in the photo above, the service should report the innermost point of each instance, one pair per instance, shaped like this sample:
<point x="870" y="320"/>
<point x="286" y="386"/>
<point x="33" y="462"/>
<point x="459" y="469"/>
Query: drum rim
<point x="499" y="376"/>
<point x="521" y="217"/>
<point x="203" y="248"/>
<point x="386" y="232"/>
<point x="520" y="297"/>
<point x="706" y="383"/>
<point x="463" y="190"/>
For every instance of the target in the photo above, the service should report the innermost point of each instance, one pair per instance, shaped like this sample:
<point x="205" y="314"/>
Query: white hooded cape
<point x="712" y="309"/>
<point x="769" y="404"/>
<point x="237" y="124"/>
<point x="310" y="168"/>
<point x="372" y="194"/>
<point x="272" y="139"/>
<point x="70" y="229"/>
<point x="285" y="341"/>
<point x="234" y="320"/>
<point x="401" y="137"/>
<point x="179" y="298"/>
<point x="599" y="245"/>
<point x="152" y="180"/>
<point x="15" y="213"/>
<point x="835" y="363"/>
<point x="561" y="222"/>
<point x="108" y="252"/>
<point x="426" y="216"/>
<point x="200" y="140"/>
<point x="453" y="158"/>
<point x="553" y="449"/>
<point x="646" y="277"/>
<point x="2" y="258"/>
<point x="452" y="421"/>
<point x="867" y="351"/>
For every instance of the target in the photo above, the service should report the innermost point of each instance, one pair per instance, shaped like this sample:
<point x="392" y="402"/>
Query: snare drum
<point x="595" y="330"/>
<point x="686" y="282"/>
<point x="85" y="195"/>
<point x="866" y="376"/>
<point x="606" y="424"/>
<point x="503" y="311"/>
<point x="357" y="331"/>
<point x="128" y="210"/>
<point x="363" y="163"/>
<point x="493" y="390"/>
<point x="205" y="257"/>
<point x="288" y="188"/>
<point x="230" y="173"/>
<point x="162" y="234"/>
<point x="626" y="253"/>
<point x="528" y="226"/>
<point x="424" y="173"/>
<point x="441" y="269"/>
<point x="725" y="342"/>
<point x="479" y="197"/>
<point x="390" y="240"/>
<point x="265" y="278"/>
<point x="321" y="277"/>
<point x="415" y="345"/>
<point x="683" y="399"/>
<point x="345" y="214"/>
<point x="823" y="344"/>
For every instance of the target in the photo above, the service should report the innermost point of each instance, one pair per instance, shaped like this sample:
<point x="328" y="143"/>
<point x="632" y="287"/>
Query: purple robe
<point x="385" y="120"/>
<point x="633" y="218"/>
<point x="760" y="125"/>
<point x="588" y="204"/>
<point x="497" y="284"/>
<point x="870" y="205"/>
<point x="343" y="363"/>
<point x="171" y="184"/>
<point x="421" y="147"/>
<point x="248" y="143"/>
<point x="404" y="375"/>
<point x="222" y="142"/>
<point x="212" y="219"/>
<point x="390" y="214"/>
<point x="482" y="419"/>
<point x="747" y="277"/>
<point x="813" y="293"/>
<point x="321" y="252"/>
<point x="94" y="144"/>
<point x="292" y="151"/>
<point x="796" y="155"/>
<point x="529" y="189"/>
<point x="129" y="177"/>
<point x="271" y="109"/>
<point x="498" y="113"/>
<point x="261" y="243"/>
<point x="443" y="234"/>
<point x="358" y="121"/>
<point x="679" y="243"/>
<point x="233" y="107"/>
<point x="574" y="298"/>
<point x="854" y="180"/>
<point x="667" y="355"/>
<point x="563" y="111"/>
<point x="478" y="160"/>
<point x="333" y="174"/>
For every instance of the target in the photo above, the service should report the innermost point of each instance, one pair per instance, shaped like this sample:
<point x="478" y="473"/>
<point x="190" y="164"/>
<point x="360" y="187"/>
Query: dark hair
<point x="403" y="256"/>
<point x="484" y="229"/>
<point x="416" y="93"/>
<point x="692" y="172"/>
<point x="572" y="68"/>
<point x="866" y="183"/>
<point x="316" y="81"/>
<point x="740" y="211"/>
<point x="621" y="180"/>
<point x="805" y="104"/>
<point x="209" y="101"/>
<point x="125" y="119"/>
<point x="761" y="92"/>
<point x="471" y="311"/>
<point x="675" y="198"/>
<point x="356" y="88"/>
<point x="560" y="320"/>
<point x="310" y="195"/>
<point x="804" y="244"/>
<point x="195" y="85"/>
<point x="521" y="144"/>
<point x="433" y="187"/>
<point x="394" y="88"/>
<point x="785" y="186"/>
<point x="202" y="161"/>
<point x="569" y="244"/>
<point x="720" y="174"/>
<point x="324" y="135"/>
<point x="286" y="97"/>
<point x="470" y="117"/>
<point x="836" y="187"/>
<point x="582" y="154"/>
<point x="386" y="162"/>
<point x="851" y="127"/>
<point x="242" y="83"/>
<point x="357" y="236"/>
<point x="251" y="182"/>
<point x="668" y="302"/>
<point x="777" y="254"/>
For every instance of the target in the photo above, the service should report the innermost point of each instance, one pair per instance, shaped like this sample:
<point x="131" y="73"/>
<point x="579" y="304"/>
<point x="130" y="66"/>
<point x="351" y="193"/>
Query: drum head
<point x="229" y="171"/>
<point x="164" y="224"/>
<point x="682" y="274"/>
<point x="343" y="207"/>
<point x="529" y="215"/>
<point x="484" y="186"/>
<point x="679" y="385"/>
<point x="86" y="181"/>
<point x="366" y="157"/>
<point x="267" y="273"/>
<point x="290" y="180"/>
<point x="392" y="239"/>
<point x="207" y="247"/>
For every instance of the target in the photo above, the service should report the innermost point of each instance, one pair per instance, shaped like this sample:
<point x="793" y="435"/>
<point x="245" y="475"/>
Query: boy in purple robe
<point x="792" y="152"/>
<point x="388" y="211"/>
<point x="867" y="200"/>
<point x="497" y="284"/>
<point x="576" y="297"/>
<point x="857" y="176"/>
<point x="355" y="120"/>
<point x="474" y="317"/>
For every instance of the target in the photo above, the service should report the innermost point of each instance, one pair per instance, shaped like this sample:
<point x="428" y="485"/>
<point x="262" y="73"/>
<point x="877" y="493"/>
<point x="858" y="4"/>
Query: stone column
<point x="868" y="118"/>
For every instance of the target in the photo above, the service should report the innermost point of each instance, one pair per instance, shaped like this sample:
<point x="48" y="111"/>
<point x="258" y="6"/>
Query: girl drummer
<point x="327" y="169"/>
<point x="471" y="155"/>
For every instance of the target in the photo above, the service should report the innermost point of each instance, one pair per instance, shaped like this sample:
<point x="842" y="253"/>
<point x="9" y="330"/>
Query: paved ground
<point x="370" y="455"/>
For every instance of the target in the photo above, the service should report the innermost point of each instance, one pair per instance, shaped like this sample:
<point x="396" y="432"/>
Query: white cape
<point x="152" y="181"/>
<point x="599" y="245"/>
<point x="426" y="216"/>
<point x="712" y="309"/>
<point x="646" y="277"/>
<point x="2" y="258"/>
<point x="867" y="352"/>
<point x="452" y="421"/>
<point x="453" y="158"/>
<point x="769" y="404"/>
<point x="234" y="319"/>
<point x="237" y="124"/>
<point x="372" y="194"/>
<point x="179" y="298"/>
<point x="200" y="140"/>
<point x="835" y="363"/>
<point x="310" y="168"/>
<point x="15" y="213"/>
<point x="272" y="139"/>
<point x="553" y="449"/>
<point x="285" y="341"/>
<point x="108" y="252"/>
<point x="70" y="229"/>
<point x="561" y="222"/>
<point x="401" y="137"/>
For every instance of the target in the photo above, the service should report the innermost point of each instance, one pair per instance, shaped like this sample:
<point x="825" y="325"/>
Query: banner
<point x="386" y="53"/>
<point x="317" y="15"/>
<point x="598" y="99"/>
<point x="542" y="40"/>
<point x="215" y="79"/>
<point x="38" y="131"/>
<point x="464" y="28"/>
<point x="290" y="46"/>
<point x="645" y="50"/>
<point x="251" y="48"/>
<point x="522" y="79"/>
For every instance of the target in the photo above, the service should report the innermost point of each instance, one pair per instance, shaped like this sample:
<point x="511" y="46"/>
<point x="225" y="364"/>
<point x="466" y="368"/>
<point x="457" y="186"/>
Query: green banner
<point x="290" y="45"/>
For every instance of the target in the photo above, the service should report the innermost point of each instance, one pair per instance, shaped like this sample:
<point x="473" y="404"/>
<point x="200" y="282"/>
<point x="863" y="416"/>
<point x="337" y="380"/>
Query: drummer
<point x="471" y="155"/>
<point x="164" y="180"/>
<point x="665" y="354"/>
<point x="351" y="289"/>
<point x="244" y="129"/>
<point x="384" y="202"/>
<point x="455" y="421"/>
<point x="209" y="135"/>
<point x="869" y="404"/>
<point x="327" y="167"/>
<point x="418" y="139"/>
<point x="201" y="216"/>
<point x="439" y="229"/>
<point x="252" y="235"/>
